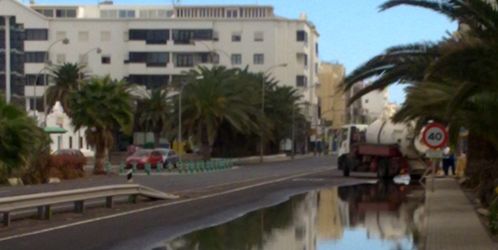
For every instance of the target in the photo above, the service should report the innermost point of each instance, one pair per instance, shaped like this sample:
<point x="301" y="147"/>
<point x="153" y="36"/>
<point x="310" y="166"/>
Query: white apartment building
<point x="151" y="45"/>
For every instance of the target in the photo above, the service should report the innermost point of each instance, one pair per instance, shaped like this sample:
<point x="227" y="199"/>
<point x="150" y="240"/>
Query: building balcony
<point x="144" y="68"/>
<point x="33" y="68"/>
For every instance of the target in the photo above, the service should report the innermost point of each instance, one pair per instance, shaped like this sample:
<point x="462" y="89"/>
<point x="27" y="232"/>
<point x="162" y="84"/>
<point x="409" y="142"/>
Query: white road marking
<point x="161" y="205"/>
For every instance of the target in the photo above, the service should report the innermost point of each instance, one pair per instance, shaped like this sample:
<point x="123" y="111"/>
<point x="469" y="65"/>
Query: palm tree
<point x="67" y="77"/>
<point x="449" y="80"/>
<point x="101" y="106"/>
<point x="212" y="96"/>
<point x="477" y="114"/>
<point x="19" y="133"/>
<point x="155" y="113"/>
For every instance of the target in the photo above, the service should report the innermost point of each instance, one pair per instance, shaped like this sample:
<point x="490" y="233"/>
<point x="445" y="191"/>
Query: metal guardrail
<point x="44" y="201"/>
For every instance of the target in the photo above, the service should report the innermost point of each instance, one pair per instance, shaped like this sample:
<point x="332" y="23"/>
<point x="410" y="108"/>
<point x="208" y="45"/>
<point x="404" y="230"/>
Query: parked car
<point x="169" y="156"/>
<point x="144" y="156"/>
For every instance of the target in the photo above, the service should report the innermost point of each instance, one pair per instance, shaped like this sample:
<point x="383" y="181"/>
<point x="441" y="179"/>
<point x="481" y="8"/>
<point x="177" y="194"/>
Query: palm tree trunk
<point x="157" y="138"/>
<point x="100" y="156"/>
<point x="205" y="146"/>
<point x="482" y="167"/>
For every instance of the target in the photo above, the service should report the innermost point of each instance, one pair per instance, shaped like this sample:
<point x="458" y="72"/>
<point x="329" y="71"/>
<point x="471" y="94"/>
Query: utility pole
<point x="8" y="89"/>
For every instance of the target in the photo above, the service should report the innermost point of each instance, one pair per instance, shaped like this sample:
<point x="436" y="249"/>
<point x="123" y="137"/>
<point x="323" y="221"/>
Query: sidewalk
<point x="451" y="220"/>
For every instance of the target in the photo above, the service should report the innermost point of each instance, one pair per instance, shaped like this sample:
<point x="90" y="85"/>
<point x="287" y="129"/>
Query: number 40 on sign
<point x="435" y="136"/>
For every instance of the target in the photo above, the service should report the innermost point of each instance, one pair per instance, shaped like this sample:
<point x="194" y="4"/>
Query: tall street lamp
<point x="85" y="56"/>
<point x="261" y="143"/>
<point x="182" y="85"/>
<point x="48" y="63"/>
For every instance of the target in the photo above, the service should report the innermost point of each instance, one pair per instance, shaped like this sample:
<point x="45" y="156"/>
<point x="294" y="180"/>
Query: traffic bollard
<point x="159" y="167"/>
<point x="122" y="168"/>
<point x="134" y="167"/>
<point x="148" y="169"/>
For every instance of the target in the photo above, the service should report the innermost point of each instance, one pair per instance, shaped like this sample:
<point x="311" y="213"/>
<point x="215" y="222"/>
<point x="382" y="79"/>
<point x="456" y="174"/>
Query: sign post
<point x="435" y="137"/>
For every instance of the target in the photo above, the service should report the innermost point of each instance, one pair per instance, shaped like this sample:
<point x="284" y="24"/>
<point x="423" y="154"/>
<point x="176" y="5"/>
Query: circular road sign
<point x="435" y="135"/>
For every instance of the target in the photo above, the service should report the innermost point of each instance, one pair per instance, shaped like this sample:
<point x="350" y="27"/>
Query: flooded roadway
<point x="368" y="216"/>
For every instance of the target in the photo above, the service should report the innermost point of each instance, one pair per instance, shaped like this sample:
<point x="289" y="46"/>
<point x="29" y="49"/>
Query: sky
<point x="351" y="31"/>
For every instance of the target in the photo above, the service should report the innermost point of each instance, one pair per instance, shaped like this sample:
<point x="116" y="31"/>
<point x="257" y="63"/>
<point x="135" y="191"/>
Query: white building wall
<point x="374" y="104"/>
<point x="279" y="44"/>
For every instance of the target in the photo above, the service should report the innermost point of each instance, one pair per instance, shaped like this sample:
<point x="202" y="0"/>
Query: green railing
<point x="182" y="167"/>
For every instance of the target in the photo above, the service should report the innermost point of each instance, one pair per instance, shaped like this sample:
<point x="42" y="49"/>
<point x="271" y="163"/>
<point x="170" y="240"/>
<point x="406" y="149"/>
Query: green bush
<point x="66" y="166"/>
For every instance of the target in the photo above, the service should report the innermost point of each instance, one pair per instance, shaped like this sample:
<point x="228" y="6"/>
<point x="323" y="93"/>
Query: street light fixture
<point x="261" y="144"/>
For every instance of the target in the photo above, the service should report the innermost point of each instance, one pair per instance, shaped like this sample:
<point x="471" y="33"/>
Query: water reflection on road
<point x="379" y="216"/>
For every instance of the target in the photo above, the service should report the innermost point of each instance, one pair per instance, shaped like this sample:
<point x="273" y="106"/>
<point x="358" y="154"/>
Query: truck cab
<point x="351" y="134"/>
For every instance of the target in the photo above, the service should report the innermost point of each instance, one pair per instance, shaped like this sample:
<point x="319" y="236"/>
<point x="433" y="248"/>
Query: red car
<point x="143" y="156"/>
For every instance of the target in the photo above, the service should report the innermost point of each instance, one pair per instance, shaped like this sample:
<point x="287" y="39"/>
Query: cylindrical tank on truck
<point x="383" y="146"/>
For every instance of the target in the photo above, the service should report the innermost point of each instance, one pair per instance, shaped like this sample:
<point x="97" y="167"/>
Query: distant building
<point x="374" y="104"/>
<point x="332" y="99"/>
<point x="152" y="45"/>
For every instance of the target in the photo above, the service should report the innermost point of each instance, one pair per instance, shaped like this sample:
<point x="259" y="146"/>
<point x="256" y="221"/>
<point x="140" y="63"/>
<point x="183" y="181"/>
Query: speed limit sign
<point x="435" y="135"/>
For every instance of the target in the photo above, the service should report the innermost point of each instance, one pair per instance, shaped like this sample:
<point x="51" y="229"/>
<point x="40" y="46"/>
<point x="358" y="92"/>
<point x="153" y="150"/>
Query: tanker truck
<point x="384" y="147"/>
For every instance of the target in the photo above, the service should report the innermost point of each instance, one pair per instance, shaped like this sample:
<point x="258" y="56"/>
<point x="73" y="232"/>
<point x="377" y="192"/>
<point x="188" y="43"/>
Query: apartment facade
<point x="151" y="45"/>
<point x="332" y="98"/>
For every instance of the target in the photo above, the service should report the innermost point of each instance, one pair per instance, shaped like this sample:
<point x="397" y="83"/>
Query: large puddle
<point x="374" y="217"/>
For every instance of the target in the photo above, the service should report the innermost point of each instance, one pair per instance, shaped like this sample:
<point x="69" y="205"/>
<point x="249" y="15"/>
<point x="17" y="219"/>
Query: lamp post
<point x="85" y="55"/>
<point x="180" y="121"/>
<point x="261" y="143"/>
<point x="48" y="63"/>
<point x="180" y="149"/>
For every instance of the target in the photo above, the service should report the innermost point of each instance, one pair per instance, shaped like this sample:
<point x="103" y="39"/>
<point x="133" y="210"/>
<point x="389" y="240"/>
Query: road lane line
<point x="164" y="205"/>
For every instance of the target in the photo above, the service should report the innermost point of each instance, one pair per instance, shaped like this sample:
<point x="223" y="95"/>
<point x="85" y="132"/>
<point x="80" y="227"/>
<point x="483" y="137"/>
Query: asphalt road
<point x="181" y="183"/>
<point x="163" y="221"/>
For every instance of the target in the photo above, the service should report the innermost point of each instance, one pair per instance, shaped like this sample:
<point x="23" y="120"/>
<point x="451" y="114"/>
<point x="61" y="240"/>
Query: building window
<point x="65" y="13"/>
<point x="83" y="36"/>
<point x="35" y="57"/>
<point x="301" y="36"/>
<point x="186" y="36"/>
<point x="259" y="59"/>
<point x="236" y="37"/>
<point x="60" y="35"/>
<point x="184" y="60"/>
<point x="70" y="142"/>
<point x="150" y="36"/>
<point x="105" y="59"/>
<point x="60" y="58"/>
<point x="46" y="12"/>
<point x="36" y="34"/>
<point x="301" y="81"/>
<point x="236" y="59"/>
<point x="105" y="36"/>
<point x="258" y="36"/>
<point x="32" y="79"/>
<point x="316" y="49"/>
<point x="151" y="59"/>
<point x="81" y="142"/>
<point x="149" y="81"/>
<point x="126" y="14"/>
<point x="108" y="14"/>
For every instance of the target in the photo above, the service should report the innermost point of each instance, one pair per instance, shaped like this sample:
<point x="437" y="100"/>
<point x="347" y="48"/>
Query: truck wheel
<point x="383" y="169"/>
<point x="346" y="168"/>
